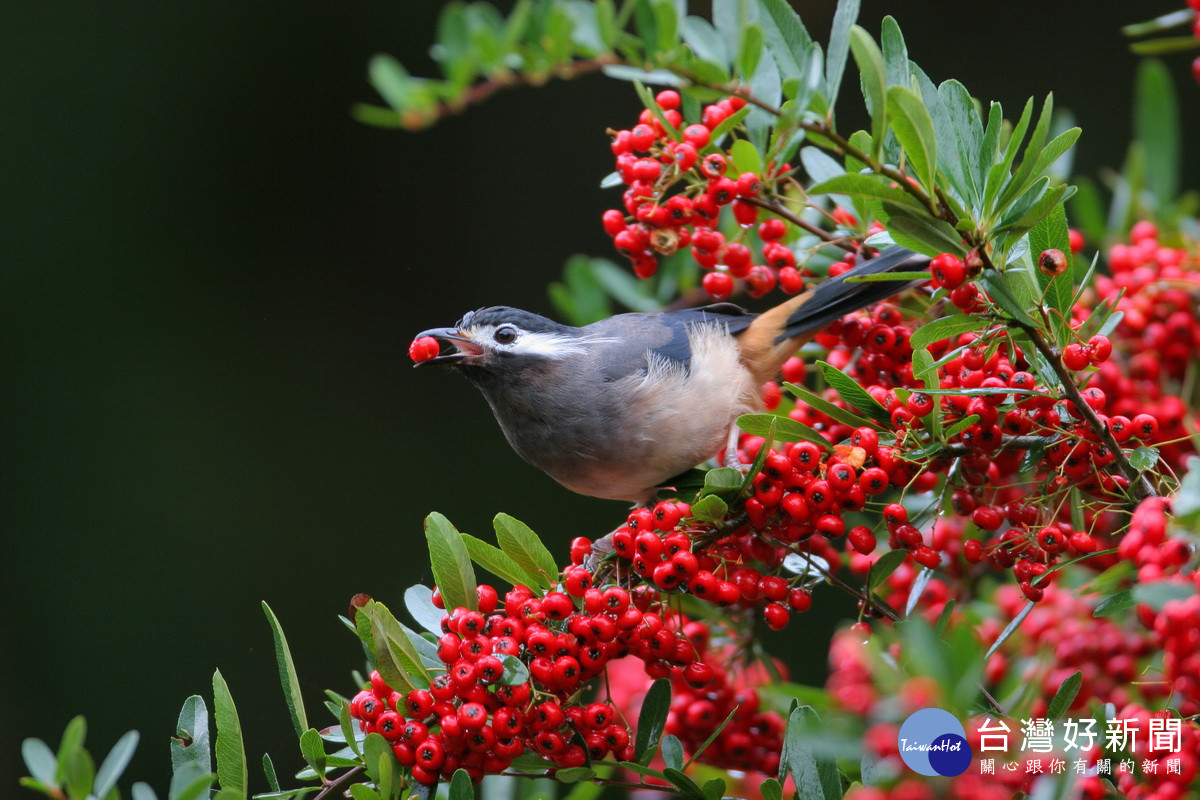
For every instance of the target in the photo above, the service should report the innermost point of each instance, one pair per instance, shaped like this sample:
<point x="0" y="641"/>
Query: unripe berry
<point x="1053" y="262"/>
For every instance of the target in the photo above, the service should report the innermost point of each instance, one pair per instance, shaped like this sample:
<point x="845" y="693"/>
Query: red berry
<point x="948" y="271"/>
<point x="668" y="99"/>
<point x="1145" y="427"/>
<point x="713" y="166"/>
<point x="424" y="349"/>
<point x="772" y="230"/>
<point x="1075" y="357"/>
<point x="777" y="616"/>
<point x="1053" y="262"/>
<point x="696" y="135"/>
<point x="718" y="285"/>
<point x="748" y="185"/>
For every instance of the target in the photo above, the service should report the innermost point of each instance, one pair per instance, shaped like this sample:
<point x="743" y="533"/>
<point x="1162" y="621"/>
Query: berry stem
<point x="1139" y="483"/>
<point x="778" y="209"/>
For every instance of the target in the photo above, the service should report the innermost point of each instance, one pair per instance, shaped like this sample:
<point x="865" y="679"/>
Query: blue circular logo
<point x="933" y="742"/>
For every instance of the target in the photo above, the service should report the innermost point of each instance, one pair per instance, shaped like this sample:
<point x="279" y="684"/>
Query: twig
<point x="779" y="210"/>
<point x="336" y="786"/>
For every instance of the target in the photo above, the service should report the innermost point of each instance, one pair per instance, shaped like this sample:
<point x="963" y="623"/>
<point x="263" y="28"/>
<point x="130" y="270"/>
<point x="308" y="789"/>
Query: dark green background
<point x="211" y="275"/>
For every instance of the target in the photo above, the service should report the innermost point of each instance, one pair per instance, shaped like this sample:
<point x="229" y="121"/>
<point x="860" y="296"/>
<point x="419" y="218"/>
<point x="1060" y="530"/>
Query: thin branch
<point x="336" y="786"/>
<point x="778" y="209"/>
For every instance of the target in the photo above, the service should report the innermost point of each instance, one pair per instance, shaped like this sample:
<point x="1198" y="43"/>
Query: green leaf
<point x="682" y="782"/>
<point x="524" y="547"/>
<point x="190" y="784"/>
<point x="1143" y="458"/>
<point x="191" y="745"/>
<point x="946" y="328"/>
<point x="884" y="566"/>
<point x="390" y="79"/>
<point x="350" y="732"/>
<point x="375" y="748"/>
<point x="770" y="789"/>
<point x="72" y="740"/>
<point x="1163" y="45"/>
<point x="496" y="561"/>
<point x="231" y="753"/>
<point x="839" y="47"/>
<point x="712" y="737"/>
<point x="750" y="50"/>
<point x="396" y="657"/>
<point x="657" y="77"/>
<point x="874" y="83"/>
<point x="704" y="40"/>
<point x="622" y="286"/>
<point x="746" y="157"/>
<point x="418" y="599"/>
<point x="996" y="285"/>
<point x="1009" y="630"/>
<point x="914" y="130"/>
<point x="451" y="564"/>
<point x="269" y="772"/>
<point x="786" y="429"/>
<point x="313" y="750"/>
<point x="460" y="786"/>
<point x="142" y="791"/>
<point x="714" y="789"/>
<point x="785" y="35"/>
<point x="115" y="763"/>
<point x="722" y="480"/>
<point x="875" y="187"/>
<point x="287" y="673"/>
<point x="854" y="394"/>
<point x="672" y="752"/>
<point x="515" y="671"/>
<point x="1186" y="502"/>
<point x="895" y="53"/>
<point x="823" y="406"/>
<point x="912" y="227"/>
<point x="40" y="761"/>
<point x="1026" y="174"/>
<point x="710" y="508"/>
<point x="815" y="773"/>
<point x="1065" y="695"/>
<point x="1156" y="126"/>
<point x="652" y="719"/>
<point x="1114" y="603"/>
<point x="1156" y="594"/>
<point x="361" y="791"/>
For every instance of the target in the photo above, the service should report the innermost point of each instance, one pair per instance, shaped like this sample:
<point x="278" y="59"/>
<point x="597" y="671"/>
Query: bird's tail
<point x="776" y="334"/>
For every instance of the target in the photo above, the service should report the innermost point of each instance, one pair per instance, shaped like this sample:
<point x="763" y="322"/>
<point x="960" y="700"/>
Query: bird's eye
<point x="505" y="335"/>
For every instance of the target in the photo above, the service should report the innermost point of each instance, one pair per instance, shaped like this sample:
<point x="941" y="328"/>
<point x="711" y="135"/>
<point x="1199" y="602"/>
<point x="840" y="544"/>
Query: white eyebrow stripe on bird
<point x="554" y="346"/>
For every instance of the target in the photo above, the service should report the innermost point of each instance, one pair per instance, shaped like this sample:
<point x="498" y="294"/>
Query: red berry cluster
<point x="738" y="568"/>
<point x="679" y="180"/>
<point x="478" y="717"/>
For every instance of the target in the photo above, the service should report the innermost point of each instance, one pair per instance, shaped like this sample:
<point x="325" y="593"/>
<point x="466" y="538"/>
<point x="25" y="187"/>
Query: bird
<point x="618" y="408"/>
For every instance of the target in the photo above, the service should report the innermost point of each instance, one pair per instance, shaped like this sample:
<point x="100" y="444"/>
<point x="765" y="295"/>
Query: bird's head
<point x="501" y="339"/>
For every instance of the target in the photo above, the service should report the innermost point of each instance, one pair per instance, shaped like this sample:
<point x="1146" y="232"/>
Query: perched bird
<point x="618" y="408"/>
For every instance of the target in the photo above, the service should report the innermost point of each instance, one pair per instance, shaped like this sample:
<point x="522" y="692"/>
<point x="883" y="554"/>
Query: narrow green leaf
<point x="115" y="763"/>
<point x="961" y="425"/>
<point x="912" y="227"/>
<point x="914" y="130"/>
<point x="40" y="761"/>
<point x="269" y="772"/>
<point x="1025" y="174"/>
<point x="231" y="753"/>
<point x="996" y="286"/>
<point x="854" y="394"/>
<point x="658" y="77"/>
<point x="496" y="561"/>
<point x="390" y="79"/>
<point x="191" y="745"/>
<point x="1156" y="594"/>
<point x="1163" y="46"/>
<point x="946" y="328"/>
<point x="72" y="740"/>
<point x="79" y="774"/>
<point x="1156" y="126"/>
<point x="313" y="750"/>
<point x="712" y="737"/>
<point x="1009" y="630"/>
<point x="375" y="747"/>
<point x="750" y="51"/>
<point x="575" y="774"/>
<point x="884" y="566"/>
<point x="524" y="547"/>
<point x="396" y="657"/>
<point x="142" y="791"/>
<point x="450" y="562"/>
<point x="875" y="187"/>
<point x="785" y="35"/>
<point x="839" y="47"/>
<point x="682" y="782"/>
<point x="704" y="40"/>
<point x="418" y="599"/>
<point x="823" y="406"/>
<point x="361" y="791"/>
<point x="786" y="429"/>
<point x="287" y="673"/>
<point x="895" y="52"/>
<point x="1065" y="695"/>
<point x="606" y="23"/>
<point x="652" y="719"/>
<point x="350" y="731"/>
<point x="190" y="784"/>
<point x="666" y="23"/>
<point x="882" y="277"/>
<point x="874" y="83"/>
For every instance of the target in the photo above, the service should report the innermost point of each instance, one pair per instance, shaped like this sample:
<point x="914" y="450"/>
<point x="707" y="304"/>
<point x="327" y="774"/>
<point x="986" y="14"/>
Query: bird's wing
<point x="630" y="340"/>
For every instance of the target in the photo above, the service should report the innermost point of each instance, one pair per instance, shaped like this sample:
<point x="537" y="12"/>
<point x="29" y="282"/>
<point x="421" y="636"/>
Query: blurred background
<point x="211" y="276"/>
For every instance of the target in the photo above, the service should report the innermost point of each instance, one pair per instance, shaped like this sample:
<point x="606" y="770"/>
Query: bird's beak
<point x="464" y="348"/>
